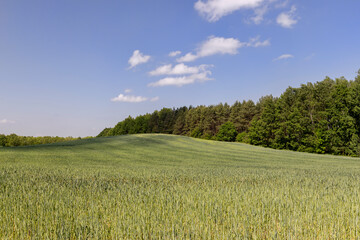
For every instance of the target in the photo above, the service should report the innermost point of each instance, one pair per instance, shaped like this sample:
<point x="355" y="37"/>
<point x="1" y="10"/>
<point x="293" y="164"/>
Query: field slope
<point x="172" y="187"/>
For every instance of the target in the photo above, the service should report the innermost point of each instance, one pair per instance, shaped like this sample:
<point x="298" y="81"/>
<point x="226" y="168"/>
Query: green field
<point x="172" y="187"/>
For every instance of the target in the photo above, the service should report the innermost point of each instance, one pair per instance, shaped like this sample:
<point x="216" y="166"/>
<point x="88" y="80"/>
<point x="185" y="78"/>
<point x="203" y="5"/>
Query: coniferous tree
<point x="322" y="117"/>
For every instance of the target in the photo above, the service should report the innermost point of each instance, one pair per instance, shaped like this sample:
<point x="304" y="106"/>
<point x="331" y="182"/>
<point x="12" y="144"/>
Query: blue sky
<point x="71" y="68"/>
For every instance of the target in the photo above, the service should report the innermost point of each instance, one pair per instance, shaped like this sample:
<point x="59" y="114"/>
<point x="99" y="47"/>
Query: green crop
<point x="172" y="187"/>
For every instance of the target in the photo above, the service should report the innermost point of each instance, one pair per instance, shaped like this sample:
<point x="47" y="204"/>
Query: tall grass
<point x="171" y="187"/>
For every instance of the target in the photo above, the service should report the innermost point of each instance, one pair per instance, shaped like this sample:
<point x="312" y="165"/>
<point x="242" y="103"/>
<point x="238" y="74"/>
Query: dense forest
<point x="14" y="140"/>
<point x="321" y="117"/>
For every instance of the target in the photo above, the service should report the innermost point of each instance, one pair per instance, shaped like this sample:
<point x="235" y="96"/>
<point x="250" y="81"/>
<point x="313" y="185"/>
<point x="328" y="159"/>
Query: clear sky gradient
<point x="72" y="68"/>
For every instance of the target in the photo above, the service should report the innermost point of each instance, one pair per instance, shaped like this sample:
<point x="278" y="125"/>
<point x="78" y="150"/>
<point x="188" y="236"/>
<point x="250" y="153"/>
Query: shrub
<point x="243" y="137"/>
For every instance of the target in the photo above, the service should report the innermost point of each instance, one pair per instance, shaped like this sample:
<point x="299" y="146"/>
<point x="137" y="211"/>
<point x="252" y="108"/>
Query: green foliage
<point x="243" y="137"/>
<point x="208" y="136"/>
<point x="179" y="121"/>
<point x="321" y="117"/>
<point x="174" y="187"/>
<point x="227" y="132"/>
<point x="262" y="130"/>
<point x="242" y="114"/>
<point x="105" y="132"/>
<point x="14" y="140"/>
<point x="196" y="133"/>
<point x="2" y="140"/>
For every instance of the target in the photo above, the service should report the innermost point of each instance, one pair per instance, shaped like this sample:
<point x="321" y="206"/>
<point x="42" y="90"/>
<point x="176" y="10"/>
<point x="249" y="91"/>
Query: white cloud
<point x="183" y="80"/>
<point x="287" y="19"/>
<point x="174" y="54"/>
<point x="213" y="10"/>
<point x="212" y="46"/>
<point x="189" y="57"/>
<point x="259" y="14"/>
<point x="165" y="69"/>
<point x="132" y="99"/>
<point x="154" y="99"/>
<point x="282" y="4"/>
<point x="284" y="56"/>
<point x="138" y="58"/>
<point x="220" y="45"/>
<point x="179" y="69"/>
<point x="255" y="42"/>
<point x="6" y="121"/>
<point x="129" y="98"/>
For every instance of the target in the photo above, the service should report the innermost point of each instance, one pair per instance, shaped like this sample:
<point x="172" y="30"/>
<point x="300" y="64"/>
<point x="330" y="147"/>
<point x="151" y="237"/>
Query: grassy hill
<point x="172" y="187"/>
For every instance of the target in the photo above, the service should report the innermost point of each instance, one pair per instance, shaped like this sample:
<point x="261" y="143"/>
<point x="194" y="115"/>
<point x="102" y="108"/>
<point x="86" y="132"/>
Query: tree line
<point x="13" y="140"/>
<point x="321" y="117"/>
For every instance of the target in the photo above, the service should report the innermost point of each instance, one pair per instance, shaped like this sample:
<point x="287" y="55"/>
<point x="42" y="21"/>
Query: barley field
<point x="172" y="187"/>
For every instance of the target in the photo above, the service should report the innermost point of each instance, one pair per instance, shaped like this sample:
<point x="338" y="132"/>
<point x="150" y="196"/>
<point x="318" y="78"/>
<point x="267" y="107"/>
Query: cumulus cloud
<point x="183" y="80"/>
<point x="259" y="14"/>
<point x="138" y="58"/>
<point x="255" y="42"/>
<point x="213" y="10"/>
<point x="268" y="5"/>
<point x="284" y="56"/>
<point x="219" y="45"/>
<point x="6" y="121"/>
<point x="212" y="46"/>
<point x="282" y="4"/>
<point x="287" y="19"/>
<point x="174" y="54"/>
<point x="179" y="69"/>
<point x="132" y="98"/>
<point x="189" y="57"/>
<point x="129" y="98"/>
